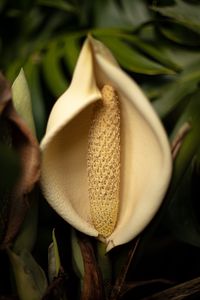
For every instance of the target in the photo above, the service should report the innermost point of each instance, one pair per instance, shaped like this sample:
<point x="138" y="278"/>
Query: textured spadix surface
<point x="145" y="159"/>
<point x="103" y="162"/>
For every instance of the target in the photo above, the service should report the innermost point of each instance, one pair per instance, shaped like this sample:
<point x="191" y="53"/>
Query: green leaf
<point x="32" y="72"/>
<point x="182" y="56"/>
<point x="13" y="69"/>
<point x="59" y="4"/>
<point x="128" y="14"/>
<point x="150" y="86"/>
<point x="54" y="263"/>
<point x="77" y="259"/>
<point x="189" y="149"/>
<point x="190" y="145"/>
<point x="104" y="262"/>
<point x="180" y="216"/>
<point x="173" y="94"/>
<point x="185" y="84"/>
<point x="28" y="232"/>
<point x="182" y="12"/>
<point x="136" y="12"/>
<point x="180" y="34"/>
<point x="53" y="73"/>
<point x="152" y="50"/>
<point x="71" y="52"/>
<point x="22" y="100"/>
<point x="57" y="256"/>
<point x="131" y="59"/>
<point x="30" y="279"/>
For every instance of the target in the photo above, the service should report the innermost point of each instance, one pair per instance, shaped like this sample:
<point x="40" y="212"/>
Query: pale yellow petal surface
<point x="145" y="153"/>
<point x="145" y="159"/>
<point x="64" y="147"/>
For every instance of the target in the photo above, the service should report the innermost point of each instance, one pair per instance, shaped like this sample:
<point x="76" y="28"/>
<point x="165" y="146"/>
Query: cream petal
<point x="64" y="147"/>
<point x="145" y="153"/>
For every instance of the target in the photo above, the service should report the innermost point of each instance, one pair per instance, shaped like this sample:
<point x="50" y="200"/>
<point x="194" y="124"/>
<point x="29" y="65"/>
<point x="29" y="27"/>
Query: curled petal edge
<point x="146" y="157"/>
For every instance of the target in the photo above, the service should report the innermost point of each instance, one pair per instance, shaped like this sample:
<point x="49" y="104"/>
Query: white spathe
<point x="145" y="152"/>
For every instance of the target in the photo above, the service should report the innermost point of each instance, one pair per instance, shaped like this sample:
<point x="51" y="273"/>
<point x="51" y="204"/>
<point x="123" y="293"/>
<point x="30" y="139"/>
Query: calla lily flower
<point x="139" y="173"/>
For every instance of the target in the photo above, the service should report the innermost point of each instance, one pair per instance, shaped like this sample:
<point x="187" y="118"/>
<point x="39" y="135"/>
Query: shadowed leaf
<point x="33" y="77"/>
<point x="60" y="4"/>
<point x="27" y="234"/>
<point x="18" y="137"/>
<point x="156" y="52"/>
<point x="186" y="290"/>
<point x="127" y="14"/>
<point x="180" y="216"/>
<point x="53" y="73"/>
<point x="185" y="13"/>
<point x="54" y="263"/>
<point x="132" y="60"/>
<point x="30" y="278"/>
<point x="92" y="282"/>
<point x="185" y="84"/>
<point x="178" y="33"/>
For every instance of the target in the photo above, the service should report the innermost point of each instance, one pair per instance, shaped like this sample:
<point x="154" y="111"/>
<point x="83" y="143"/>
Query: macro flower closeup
<point x="106" y="161"/>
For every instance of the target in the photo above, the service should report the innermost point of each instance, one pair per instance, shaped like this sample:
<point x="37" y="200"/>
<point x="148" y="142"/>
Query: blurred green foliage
<point x="157" y="43"/>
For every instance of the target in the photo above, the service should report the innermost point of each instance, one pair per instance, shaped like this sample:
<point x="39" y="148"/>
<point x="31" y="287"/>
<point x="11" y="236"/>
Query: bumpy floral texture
<point x="106" y="159"/>
<point x="104" y="162"/>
